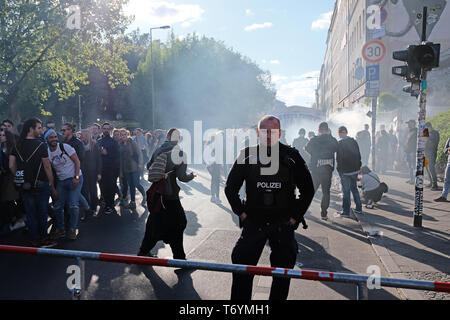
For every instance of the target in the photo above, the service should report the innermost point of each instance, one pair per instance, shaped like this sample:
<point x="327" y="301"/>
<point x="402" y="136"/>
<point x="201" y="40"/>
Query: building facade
<point x="343" y="73"/>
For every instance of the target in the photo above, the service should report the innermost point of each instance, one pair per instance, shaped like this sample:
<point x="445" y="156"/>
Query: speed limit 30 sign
<point x="374" y="51"/>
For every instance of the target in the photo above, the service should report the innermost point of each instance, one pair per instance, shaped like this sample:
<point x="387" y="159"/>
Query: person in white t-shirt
<point x="66" y="164"/>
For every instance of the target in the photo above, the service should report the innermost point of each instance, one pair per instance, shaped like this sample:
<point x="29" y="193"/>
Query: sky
<point x="285" y="37"/>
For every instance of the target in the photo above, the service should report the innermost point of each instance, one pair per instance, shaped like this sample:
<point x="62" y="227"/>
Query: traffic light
<point x="416" y="58"/>
<point x="413" y="89"/>
<point x="427" y="55"/>
<point x="411" y="70"/>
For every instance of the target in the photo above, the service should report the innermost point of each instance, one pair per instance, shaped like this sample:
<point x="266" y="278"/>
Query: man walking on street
<point x="110" y="167"/>
<point x="322" y="149"/>
<point x="431" y="148"/>
<point x="300" y="144"/>
<point x="348" y="160"/>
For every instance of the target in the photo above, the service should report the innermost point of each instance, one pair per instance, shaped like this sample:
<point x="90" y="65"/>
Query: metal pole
<point x="420" y="157"/>
<point x="153" y="86"/>
<point x="363" y="291"/>
<point x="81" y="263"/>
<point x="374" y="127"/>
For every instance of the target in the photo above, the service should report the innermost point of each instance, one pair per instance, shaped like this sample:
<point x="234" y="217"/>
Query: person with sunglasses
<point x="51" y="125"/>
<point x="66" y="164"/>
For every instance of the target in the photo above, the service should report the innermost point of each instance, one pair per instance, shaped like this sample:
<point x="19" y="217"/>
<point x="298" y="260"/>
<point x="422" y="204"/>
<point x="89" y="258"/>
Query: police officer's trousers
<point x="248" y="250"/>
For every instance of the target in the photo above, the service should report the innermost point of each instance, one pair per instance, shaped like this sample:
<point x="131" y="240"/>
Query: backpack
<point x="21" y="178"/>
<point x="157" y="170"/>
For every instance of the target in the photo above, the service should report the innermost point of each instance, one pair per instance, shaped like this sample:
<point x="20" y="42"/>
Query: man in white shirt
<point x="66" y="164"/>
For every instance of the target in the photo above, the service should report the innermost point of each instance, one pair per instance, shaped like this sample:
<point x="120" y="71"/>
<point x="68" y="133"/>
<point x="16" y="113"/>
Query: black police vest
<point x="269" y="194"/>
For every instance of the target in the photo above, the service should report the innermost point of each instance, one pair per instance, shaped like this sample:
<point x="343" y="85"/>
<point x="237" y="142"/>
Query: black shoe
<point x="440" y="199"/>
<point x="436" y="188"/>
<point x="109" y="210"/>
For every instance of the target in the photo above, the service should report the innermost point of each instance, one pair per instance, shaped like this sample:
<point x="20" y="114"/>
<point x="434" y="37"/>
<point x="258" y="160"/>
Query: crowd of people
<point x="350" y="157"/>
<point x="69" y="167"/>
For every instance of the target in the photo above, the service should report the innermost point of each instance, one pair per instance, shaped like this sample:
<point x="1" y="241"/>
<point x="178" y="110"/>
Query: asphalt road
<point x="338" y="245"/>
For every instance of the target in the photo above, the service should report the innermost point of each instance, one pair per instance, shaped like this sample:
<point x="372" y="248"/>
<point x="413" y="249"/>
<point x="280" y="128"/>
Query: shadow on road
<point x="182" y="290"/>
<point x="314" y="256"/>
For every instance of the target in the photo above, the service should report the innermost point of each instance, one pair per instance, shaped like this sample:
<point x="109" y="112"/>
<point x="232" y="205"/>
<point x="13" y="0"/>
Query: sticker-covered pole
<point x="421" y="139"/>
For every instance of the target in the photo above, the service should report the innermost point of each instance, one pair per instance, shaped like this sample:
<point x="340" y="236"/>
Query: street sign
<point x="378" y="33"/>
<point x="373" y="73"/>
<point x="383" y="15"/>
<point x="372" y="93"/>
<point x="374" y="51"/>
<point x="415" y="12"/>
<point x="373" y="84"/>
<point x="359" y="73"/>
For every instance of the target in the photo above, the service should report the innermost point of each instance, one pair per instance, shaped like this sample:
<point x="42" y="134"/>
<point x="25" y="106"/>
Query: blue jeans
<point x="349" y="184"/>
<point x="66" y="192"/>
<point x="36" y="208"/>
<point x="84" y="203"/>
<point x="133" y="180"/>
<point x="446" y="182"/>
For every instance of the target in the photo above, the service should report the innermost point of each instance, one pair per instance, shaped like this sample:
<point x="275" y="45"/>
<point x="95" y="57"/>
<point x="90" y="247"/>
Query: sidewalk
<point x="405" y="251"/>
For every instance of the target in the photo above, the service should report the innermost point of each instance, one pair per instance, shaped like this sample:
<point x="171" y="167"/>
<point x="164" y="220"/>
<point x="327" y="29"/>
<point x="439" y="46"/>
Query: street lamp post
<point x="317" y="90"/>
<point x="153" y="86"/>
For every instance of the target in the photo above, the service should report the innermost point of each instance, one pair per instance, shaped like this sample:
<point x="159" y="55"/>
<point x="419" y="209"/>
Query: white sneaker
<point x="17" y="225"/>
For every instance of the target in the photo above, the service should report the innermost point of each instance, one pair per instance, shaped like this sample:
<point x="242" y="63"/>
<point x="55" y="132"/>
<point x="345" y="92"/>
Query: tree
<point x="389" y="102"/>
<point x="41" y="56"/>
<point x="200" y="79"/>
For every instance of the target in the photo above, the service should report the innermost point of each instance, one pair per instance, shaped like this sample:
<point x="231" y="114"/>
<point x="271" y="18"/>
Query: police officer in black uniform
<point x="271" y="210"/>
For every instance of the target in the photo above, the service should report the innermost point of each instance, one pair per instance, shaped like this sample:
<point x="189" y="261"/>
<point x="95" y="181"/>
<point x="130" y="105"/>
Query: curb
<point x="386" y="259"/>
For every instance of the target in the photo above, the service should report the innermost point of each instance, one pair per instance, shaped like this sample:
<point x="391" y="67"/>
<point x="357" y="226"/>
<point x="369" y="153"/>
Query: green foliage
<point x="41" y="56"/>
<point x="46" y="66"/>
<point x="441" y="123"/>
<point x="389" y="102"/>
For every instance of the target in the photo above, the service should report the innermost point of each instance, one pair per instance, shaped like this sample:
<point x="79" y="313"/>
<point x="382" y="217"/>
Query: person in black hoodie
<point x="110" y="151"/>
<point x="170" y="222"/>
<point x="322" y="149"/>
<point x="348" y="160"/>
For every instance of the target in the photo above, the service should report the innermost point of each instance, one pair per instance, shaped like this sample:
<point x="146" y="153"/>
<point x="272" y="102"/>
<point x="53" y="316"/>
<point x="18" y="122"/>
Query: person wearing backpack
<point x="65" y="161"/>
<point x="30" y="164"/>
<point x="167" y="219"/>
